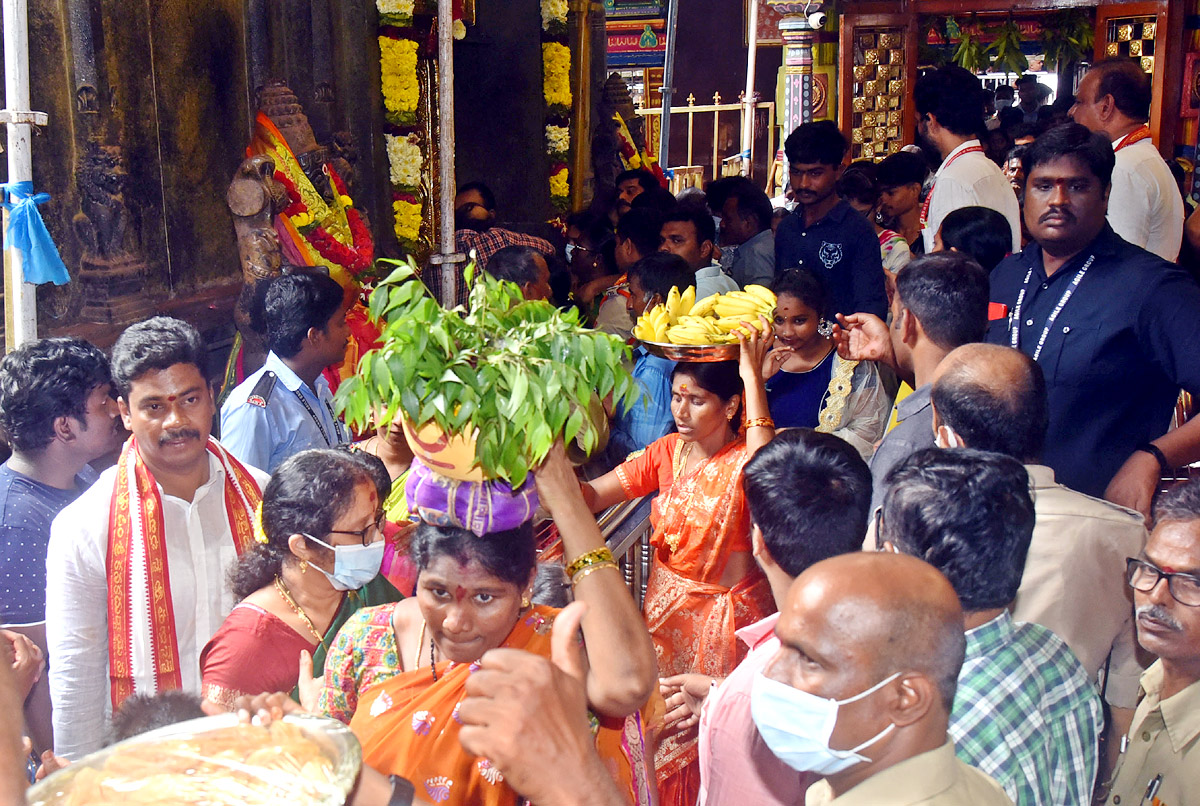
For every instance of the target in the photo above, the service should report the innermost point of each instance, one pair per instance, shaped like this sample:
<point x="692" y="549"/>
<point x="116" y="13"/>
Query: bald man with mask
<point x="861" y="689"/>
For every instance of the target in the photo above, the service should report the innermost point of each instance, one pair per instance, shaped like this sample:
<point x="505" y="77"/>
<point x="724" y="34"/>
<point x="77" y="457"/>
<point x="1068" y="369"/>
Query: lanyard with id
<point x="1014" y="323"/>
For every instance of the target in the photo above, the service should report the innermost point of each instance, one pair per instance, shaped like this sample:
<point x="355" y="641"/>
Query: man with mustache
<point x="135" y="580"/>
<point x="825" y="234"/>
<point x="1113" y="327"/>
<point x="1160" y="758"/>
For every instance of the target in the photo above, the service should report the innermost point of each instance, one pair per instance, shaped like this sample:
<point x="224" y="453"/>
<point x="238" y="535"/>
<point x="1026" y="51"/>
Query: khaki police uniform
<point x="1160" y="758"/>
<point x="935" y="778"/>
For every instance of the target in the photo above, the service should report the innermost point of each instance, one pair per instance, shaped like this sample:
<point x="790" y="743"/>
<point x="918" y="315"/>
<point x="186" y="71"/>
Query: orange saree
<point x="408" y="726"/>
<point x="699" y="521"/>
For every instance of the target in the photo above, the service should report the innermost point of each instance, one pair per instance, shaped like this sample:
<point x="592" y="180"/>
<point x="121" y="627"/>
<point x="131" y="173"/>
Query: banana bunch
<point x="683" y="319"/>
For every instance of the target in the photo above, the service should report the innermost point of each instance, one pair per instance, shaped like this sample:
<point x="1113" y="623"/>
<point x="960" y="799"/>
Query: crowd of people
<point x="912" y="547"/>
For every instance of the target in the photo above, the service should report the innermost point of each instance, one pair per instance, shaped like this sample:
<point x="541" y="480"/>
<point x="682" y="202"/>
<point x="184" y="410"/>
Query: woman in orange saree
<point x="704" y="583"/>
<point x="473" y="596"/>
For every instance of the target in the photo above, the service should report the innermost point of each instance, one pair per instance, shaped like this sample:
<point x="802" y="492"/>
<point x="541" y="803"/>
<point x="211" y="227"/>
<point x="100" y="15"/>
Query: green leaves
<point x="520" y="373"/>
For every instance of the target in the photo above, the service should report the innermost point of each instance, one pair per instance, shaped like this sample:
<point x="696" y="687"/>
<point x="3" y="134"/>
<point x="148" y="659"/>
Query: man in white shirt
<point x="137" y="564"/>
<point x="690" y="234"/>
<point x="949" y="103"/>
<point x="1144" y="205"/>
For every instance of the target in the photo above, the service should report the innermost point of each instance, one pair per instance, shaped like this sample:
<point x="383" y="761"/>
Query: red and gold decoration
<point x="556" y="88"/>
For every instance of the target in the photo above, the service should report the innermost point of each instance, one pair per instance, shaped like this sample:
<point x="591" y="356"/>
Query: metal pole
<point x="581" y="109"/>
<point x="448" y="257"/>
<point x="748" y="98"/>
<point x="20" y="297"/>
<point x="668" y="88"/>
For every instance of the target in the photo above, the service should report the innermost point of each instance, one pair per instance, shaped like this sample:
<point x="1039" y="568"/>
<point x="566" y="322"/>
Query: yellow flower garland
<point x="556" y="74"/>
<point x="398" y="66"/>
<point x="408" y="220"/>
<point x="559" y="183"/>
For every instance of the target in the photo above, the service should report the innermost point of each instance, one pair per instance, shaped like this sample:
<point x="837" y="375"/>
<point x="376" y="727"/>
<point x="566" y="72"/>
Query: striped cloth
<point x="1026" y="714"/>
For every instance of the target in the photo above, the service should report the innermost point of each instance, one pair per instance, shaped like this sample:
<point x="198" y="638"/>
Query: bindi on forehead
<point x="460" y="593"/>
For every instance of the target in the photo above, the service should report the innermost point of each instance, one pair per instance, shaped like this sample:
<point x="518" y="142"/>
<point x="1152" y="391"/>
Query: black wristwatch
<point x="1154" y="451"/>
<point x="402" y="791"/>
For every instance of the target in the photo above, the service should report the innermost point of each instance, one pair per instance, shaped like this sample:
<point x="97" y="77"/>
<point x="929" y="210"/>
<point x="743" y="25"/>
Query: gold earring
<point x="303" y="566"/>
<point x="526" y="603"/>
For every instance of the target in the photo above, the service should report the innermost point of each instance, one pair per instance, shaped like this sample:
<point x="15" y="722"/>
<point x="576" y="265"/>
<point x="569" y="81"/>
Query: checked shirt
<point x="1026" y="714"/>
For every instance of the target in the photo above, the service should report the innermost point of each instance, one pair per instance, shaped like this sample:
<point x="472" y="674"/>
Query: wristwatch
<point x="402" y="791"/>
<point x="1154" y="451"/>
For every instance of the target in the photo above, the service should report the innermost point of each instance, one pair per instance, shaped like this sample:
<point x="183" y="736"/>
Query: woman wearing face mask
<point x="397" y="673"/>
<point x="808" y="384"/>
<point x="315" y="564"/>
<point x="704" y="583"/>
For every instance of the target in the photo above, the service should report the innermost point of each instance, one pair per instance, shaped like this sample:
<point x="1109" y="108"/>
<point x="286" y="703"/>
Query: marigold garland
<point x="395" y="12"/>
<point x="556" y="74"/>
<point x="401" y="89"/>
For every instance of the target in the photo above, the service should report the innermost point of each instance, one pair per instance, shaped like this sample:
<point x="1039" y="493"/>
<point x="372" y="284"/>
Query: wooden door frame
<point x="906" y="19"/>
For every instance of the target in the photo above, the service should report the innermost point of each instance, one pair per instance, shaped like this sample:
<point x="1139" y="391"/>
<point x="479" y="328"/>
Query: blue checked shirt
<point x="1026" y="714"/>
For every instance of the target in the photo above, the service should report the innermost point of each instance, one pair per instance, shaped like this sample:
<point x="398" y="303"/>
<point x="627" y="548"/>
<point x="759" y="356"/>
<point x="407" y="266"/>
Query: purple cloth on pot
<point x="479" y="507"/>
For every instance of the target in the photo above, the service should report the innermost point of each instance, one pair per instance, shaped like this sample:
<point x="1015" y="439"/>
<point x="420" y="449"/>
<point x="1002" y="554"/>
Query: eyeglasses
<point x="362" y="534"/>
<point x="1144" y="577"/>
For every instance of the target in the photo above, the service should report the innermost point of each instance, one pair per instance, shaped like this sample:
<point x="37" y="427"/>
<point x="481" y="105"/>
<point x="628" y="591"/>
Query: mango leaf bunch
<point x="515" y="374"/>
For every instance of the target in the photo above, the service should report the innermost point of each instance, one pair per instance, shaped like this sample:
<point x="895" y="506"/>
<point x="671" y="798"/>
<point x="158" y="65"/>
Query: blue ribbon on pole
<point x="40" y="261"/>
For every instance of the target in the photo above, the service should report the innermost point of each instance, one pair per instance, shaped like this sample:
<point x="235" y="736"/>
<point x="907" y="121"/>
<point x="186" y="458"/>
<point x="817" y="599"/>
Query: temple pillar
<point x="797" y="84"/>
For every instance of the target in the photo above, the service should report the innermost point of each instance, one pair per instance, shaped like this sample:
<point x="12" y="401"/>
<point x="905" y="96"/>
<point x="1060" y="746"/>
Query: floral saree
<point x="699" y="519"/>
<point x="408" y="726"/>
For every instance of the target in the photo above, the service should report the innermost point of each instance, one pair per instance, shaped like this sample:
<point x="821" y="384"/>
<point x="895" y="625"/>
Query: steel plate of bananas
<point x="686" y="329"/>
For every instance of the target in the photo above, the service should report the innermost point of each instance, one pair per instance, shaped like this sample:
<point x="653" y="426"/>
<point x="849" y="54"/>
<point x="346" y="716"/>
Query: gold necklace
<point x="283" y="592"/>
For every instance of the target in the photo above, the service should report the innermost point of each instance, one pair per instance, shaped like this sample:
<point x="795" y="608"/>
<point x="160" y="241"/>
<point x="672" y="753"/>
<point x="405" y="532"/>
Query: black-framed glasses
<point x="1144" y="576"/>
<point x="362" y="534"/>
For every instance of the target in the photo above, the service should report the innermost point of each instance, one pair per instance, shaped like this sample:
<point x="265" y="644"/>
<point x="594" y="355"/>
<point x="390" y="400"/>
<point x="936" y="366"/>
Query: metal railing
<point x="690" y="174"/>
<point x="626" y="531"/>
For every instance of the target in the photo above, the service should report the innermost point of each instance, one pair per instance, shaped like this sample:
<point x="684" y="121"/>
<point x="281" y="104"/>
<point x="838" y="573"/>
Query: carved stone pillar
<point x="797" y="82"/>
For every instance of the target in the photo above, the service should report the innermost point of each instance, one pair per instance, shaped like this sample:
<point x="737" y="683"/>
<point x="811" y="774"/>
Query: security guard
<point x="1160" y="758"/>
<point x="286" y="406"/>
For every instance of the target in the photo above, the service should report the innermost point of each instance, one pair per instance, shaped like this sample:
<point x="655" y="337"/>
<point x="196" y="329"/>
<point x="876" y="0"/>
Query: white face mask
<point x="797" y="725"/>
<point x="353" y="566"/>
<point x="1003" y="103"/>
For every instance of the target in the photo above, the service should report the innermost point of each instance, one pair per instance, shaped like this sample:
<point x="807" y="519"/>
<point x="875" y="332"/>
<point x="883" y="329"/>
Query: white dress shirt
<point x="971" y="180"/>
<point x="200" y="553"/>
<point x="1144" y="205"/>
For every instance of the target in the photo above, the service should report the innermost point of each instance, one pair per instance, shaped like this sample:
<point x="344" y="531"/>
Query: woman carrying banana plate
<point x="703" y="573"/>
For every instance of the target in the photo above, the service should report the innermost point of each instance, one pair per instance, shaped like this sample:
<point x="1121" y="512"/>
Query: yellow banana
<point x="762" y="293"/>
<point x="704" y="306"/>
<point x="685" y="334"/>
<point x="672" y="304"/>
<point x="686" y="300"/>
<point x="736" y="308"/>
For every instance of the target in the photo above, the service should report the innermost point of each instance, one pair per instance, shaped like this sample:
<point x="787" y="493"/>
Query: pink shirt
<point x="735" y="763"/>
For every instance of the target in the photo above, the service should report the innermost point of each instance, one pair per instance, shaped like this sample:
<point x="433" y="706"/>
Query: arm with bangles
<point x="760" y="428"/>
<point x="622" y="668"/>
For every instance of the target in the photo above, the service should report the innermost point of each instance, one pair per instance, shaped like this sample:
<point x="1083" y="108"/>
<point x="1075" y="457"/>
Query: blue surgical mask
<point x="797" y="725"/>
<point x="353" y="566"/>
<point x="569" y="250"/>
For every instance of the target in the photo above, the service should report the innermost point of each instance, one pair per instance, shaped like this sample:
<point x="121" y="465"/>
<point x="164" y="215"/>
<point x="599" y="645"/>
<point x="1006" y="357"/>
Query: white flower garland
<point x="404" y="160"/>
<point x="553" y="11"/>
<point x="400" y="8"/>
<point x="558" y="139"/>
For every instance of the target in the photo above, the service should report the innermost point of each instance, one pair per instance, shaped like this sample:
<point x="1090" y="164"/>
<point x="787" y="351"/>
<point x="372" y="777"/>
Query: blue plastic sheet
<point x="26" y="232"/>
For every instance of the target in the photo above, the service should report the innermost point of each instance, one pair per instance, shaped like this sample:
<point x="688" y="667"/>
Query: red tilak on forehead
<point x="1166" y="569"/>
<point x="459" y="593"/>
<point x="171" y="398"/>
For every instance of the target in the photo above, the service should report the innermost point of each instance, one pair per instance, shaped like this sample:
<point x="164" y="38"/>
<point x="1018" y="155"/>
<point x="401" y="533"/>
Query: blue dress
<point x="794" y="398"/>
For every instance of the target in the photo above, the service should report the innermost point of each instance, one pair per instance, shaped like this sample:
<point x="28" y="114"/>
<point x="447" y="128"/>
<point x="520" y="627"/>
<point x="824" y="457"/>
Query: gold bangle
<point x="593" y="567"/>
<point x="602" y="554"/>
<point x="760" y="422"/>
